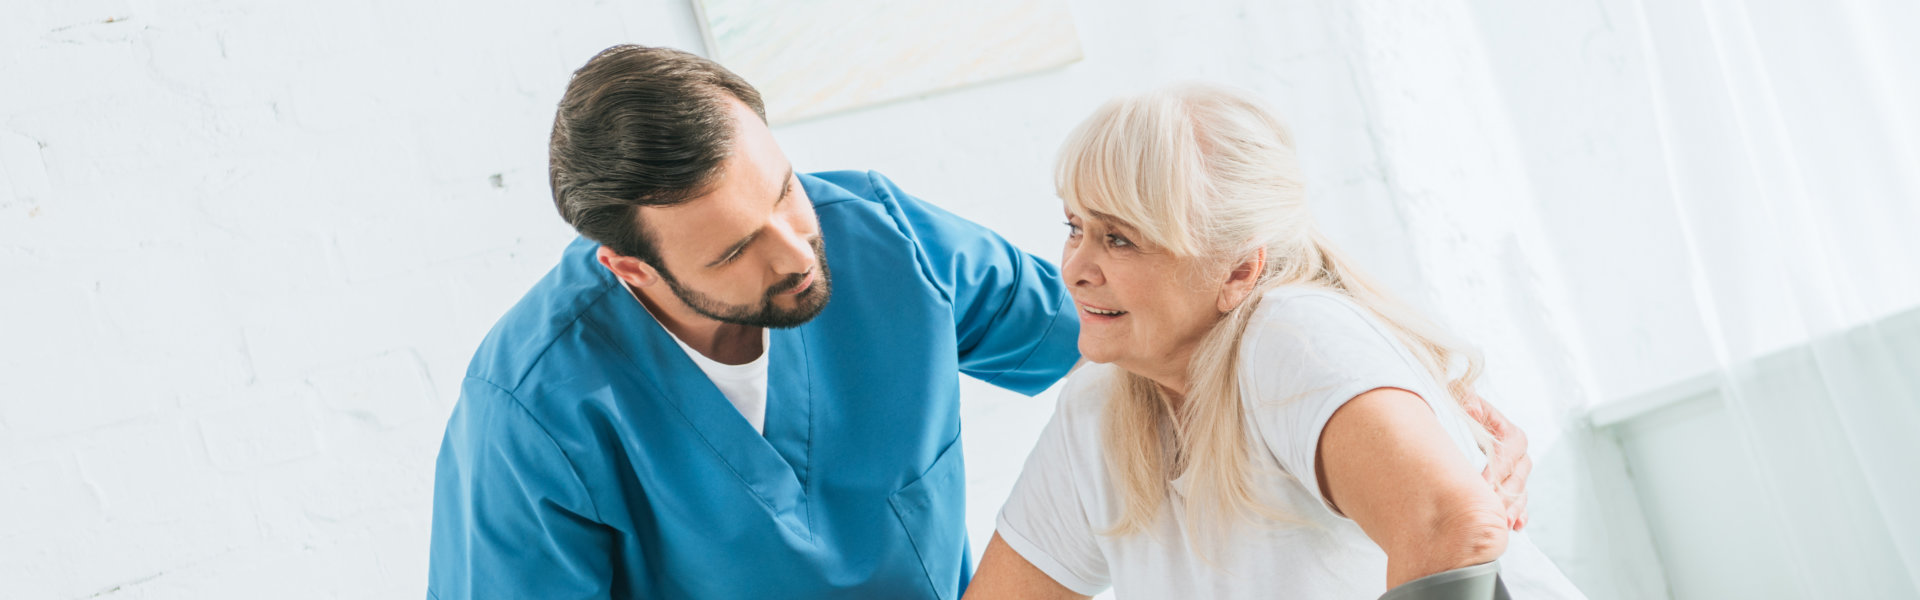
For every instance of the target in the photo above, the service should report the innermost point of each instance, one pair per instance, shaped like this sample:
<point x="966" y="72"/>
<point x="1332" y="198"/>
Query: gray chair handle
<point x="1478" y="582"/>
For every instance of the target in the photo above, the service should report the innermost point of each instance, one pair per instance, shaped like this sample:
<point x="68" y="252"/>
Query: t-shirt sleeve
<point x="1047" y="520"/>
<point x="1304" y="359"/>
<point x="1013" y="320"/>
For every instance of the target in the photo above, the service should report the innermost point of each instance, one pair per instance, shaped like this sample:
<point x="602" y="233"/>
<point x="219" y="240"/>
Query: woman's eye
<point x="1117" y="241"/>
<point x="1072" y="229"/>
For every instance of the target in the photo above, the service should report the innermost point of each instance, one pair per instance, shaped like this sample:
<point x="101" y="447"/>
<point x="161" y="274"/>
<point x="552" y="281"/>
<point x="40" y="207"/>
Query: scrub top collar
<point x="774" y="466"/>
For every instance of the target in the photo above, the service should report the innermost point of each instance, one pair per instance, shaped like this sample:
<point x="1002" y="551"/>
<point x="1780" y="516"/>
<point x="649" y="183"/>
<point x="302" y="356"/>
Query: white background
<point x="247" y="248"/>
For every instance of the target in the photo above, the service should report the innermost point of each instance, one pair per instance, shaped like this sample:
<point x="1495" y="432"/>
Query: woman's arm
<point x="1005" y="574"/>
<point x="1385" y="462"/>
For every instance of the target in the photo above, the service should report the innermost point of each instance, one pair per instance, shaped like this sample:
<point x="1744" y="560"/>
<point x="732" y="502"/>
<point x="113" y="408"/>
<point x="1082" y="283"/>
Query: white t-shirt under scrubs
<point x="1306" y="352"/>
<point x="743" y="385"/>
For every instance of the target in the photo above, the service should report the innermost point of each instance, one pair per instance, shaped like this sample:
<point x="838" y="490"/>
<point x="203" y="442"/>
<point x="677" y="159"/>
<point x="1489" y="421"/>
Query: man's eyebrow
<point x="786" y="188"/>
<point x="734" y="249"/>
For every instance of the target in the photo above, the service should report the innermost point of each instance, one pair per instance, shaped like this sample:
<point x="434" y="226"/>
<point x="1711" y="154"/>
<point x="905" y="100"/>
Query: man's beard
<point x="808" y="304"/>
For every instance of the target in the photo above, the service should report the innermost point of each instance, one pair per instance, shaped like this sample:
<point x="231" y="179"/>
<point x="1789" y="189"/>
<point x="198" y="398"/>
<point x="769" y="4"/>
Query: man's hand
<point x="1507" y="463"/>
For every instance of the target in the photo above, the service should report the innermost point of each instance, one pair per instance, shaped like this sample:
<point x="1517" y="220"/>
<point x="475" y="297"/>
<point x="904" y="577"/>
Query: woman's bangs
<point x="1120" y="165"/>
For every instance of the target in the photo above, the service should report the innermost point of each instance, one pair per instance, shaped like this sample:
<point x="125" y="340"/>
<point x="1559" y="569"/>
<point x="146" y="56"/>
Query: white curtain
<point x="1695" y="222"/>
<point x="1789" y="132"/>
<point x="1740" y="234"/>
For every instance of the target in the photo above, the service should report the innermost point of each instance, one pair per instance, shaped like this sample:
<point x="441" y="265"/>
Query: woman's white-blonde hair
<point x="1205" y="173"/>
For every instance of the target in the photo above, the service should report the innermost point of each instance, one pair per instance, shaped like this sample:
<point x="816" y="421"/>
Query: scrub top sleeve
<point x="511" y="517"/>
<point x="1014" y="322"/>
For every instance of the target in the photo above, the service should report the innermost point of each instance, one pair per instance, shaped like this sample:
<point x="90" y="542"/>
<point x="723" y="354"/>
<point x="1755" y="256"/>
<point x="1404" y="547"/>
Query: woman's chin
<point x="1097" y="353"/>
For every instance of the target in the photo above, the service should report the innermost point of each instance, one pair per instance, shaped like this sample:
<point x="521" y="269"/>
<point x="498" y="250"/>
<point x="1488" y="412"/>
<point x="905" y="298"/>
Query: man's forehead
<point x="699" y="224"/>
<point x="734" y="206"/>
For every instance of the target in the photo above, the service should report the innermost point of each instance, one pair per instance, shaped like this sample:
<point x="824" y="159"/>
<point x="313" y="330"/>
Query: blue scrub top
<point x="589" y="457"/>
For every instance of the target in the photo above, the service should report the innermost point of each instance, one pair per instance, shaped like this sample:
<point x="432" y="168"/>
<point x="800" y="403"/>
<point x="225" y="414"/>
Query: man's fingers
<point x="1513" y="491"/>
<point x="1505" y="435"/>
<point x="1517" y="512"/>
<point x="1510" y="437"/>
<point x="1476" y="408"/>
<point x="1501" y="460"/>
<point x="1507" y="462"/>
<point x="1496" y="472"/>
<point x="1517" y="478"/>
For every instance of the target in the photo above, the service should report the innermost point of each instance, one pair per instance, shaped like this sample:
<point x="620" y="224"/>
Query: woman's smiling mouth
<point x="1102" y="312"/>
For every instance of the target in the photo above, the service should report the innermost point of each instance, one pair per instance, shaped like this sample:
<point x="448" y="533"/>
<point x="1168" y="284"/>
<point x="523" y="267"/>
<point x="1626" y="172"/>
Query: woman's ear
<point x="1242" y="279"/>
<point x="634" y="271"/>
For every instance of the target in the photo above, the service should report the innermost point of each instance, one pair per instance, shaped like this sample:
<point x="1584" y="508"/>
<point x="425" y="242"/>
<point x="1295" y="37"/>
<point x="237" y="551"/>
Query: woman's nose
<point x="1079" y="268"/>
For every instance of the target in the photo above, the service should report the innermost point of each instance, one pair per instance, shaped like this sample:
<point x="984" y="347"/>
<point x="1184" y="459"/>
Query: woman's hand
<point x="1385" y="462"/>
<point x="1507" y="462"/>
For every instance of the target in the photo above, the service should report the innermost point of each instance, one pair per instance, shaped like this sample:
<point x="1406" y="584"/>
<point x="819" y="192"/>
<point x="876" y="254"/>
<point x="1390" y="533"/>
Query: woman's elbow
<point x="1470" y="537"/>
<point x="1450" y="540"/>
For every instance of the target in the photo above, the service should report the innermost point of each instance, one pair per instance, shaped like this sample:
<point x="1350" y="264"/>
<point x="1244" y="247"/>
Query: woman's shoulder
<point x="1078" y="415"/>
<point x="1300" y="302"/>
<point x="1303" y="314"/>
<point x="1088" y="388"/>
<point x="1303" y="339"/>
<point x="1087" y="396"/>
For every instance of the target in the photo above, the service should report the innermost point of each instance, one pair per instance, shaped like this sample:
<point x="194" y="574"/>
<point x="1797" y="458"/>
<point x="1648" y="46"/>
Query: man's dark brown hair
<point x="637" y="127"/>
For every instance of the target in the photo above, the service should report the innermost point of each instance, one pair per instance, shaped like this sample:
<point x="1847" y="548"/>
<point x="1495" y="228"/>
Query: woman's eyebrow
<point x="1111" y="222"/>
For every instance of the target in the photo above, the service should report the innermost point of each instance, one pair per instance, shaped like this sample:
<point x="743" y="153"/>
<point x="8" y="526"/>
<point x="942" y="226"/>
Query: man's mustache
<point x="794" y="281"/>
<point x="787" y="285"/>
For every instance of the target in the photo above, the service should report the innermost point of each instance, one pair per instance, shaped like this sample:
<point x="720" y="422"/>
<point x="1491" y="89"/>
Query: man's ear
<point x="1241" y="280"/>
<point x="634" y="271"/>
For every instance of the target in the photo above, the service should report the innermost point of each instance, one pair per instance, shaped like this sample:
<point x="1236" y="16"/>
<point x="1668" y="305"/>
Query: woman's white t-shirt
<point x="1306" y="352"/>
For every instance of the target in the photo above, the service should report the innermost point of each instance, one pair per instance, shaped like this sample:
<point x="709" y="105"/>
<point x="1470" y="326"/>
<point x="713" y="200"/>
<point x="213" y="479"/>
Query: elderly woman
<point x="1263" y="420"/>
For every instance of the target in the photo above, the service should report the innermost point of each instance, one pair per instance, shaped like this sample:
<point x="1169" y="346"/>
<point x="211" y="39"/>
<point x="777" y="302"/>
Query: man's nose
<point x="795" y="252"/>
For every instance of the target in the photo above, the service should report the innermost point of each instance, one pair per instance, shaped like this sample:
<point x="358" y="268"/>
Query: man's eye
<point x="1117" y="241"/>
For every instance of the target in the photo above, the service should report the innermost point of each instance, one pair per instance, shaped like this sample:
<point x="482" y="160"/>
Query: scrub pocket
<point x="933" y="509"/>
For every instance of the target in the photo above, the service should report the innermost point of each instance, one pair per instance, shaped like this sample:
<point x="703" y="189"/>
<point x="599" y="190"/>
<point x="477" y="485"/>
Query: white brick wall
<point x="247" y="248"/>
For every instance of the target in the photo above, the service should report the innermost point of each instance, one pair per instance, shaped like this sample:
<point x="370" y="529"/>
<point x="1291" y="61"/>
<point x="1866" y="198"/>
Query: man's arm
<point x="1013" y="319"/>
<point x="511" y="519"/>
